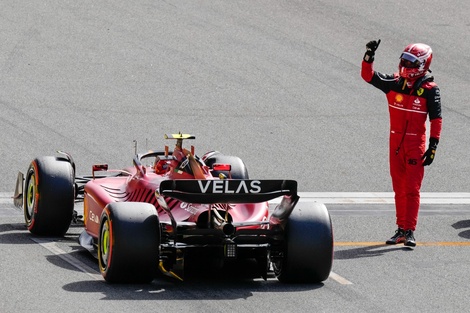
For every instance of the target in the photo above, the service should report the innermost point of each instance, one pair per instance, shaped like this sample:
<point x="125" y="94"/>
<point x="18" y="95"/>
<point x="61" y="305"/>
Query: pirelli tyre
<point x="49" y="196"/>
<point x="308" y="247"/>
<point x="128" y="242"/>
<point x="238" y="168"/>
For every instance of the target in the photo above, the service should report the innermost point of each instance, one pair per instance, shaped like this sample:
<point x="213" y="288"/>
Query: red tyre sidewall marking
<point x="36" y="196"/>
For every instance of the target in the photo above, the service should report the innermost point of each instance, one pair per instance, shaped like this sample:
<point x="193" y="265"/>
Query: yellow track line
<point x="381" y="243"/>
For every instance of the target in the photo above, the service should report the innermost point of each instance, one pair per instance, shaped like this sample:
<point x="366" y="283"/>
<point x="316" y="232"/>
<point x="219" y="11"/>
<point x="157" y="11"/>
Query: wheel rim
<point x="30" y="196"/>
<point x="104" y="244"/>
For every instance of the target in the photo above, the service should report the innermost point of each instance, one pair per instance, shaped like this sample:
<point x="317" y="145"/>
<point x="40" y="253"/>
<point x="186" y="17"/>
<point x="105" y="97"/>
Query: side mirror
<point x="98" y="168"/>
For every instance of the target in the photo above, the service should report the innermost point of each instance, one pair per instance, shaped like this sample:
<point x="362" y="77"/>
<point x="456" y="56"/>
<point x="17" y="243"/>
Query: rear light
<point x="169" y="228"/>
<point x="230" y="250"/>
<point x="222" y="167"/>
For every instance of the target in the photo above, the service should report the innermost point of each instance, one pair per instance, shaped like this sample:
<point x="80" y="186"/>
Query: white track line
<point x="382" y="197"/>
<point x="339" y="279"/>
<point x="350" y="197"/>
<point x="322" y="197"/>
<point x="52" y="247"/>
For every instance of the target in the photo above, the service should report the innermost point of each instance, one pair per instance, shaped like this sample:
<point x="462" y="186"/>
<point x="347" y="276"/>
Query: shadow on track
<point x="14" y="233"/>
<point x="368" y="251"/>
<point x="208" y="289"/>
<point x="463" y="224"/>
<point x="207" y="285"/>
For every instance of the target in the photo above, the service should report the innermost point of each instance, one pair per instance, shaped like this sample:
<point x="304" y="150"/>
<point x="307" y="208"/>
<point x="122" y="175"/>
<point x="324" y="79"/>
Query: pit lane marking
<point x="52" y="247"/>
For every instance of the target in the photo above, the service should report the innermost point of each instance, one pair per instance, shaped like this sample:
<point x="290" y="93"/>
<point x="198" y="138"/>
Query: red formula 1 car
<point x="178" y="209"/>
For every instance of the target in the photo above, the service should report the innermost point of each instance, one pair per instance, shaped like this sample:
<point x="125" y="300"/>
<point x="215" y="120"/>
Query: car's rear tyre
<point x="49" y="196"/>
<point x="238" y="168"/>
<point x="308" y="249"/>
<point x="128" y="242"/>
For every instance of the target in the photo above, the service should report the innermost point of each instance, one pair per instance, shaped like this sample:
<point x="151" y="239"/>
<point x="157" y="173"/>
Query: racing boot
<point x="399" y="237"/>
<point x="410" y="238"/>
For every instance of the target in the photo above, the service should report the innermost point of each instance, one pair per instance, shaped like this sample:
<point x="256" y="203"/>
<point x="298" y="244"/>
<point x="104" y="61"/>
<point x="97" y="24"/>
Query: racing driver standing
<point x="412" y="96"/>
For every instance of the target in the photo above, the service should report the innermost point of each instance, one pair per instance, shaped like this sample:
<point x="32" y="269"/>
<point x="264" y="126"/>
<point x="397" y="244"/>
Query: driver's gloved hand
<point x="371" y="46"/>
<point x="429" y="155"/>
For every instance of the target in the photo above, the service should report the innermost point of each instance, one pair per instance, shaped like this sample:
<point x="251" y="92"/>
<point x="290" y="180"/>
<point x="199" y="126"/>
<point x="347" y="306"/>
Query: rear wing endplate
<point x="227" y="190"/>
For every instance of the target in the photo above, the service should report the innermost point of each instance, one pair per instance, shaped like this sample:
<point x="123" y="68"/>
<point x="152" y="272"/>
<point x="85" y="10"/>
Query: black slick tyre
<point x="49" y="196"/>
<point x="308" y="246"/>
<point x="128" y="242"/>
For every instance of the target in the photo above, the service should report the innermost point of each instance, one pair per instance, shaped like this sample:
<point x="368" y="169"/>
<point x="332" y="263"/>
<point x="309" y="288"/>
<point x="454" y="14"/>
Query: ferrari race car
<point x="172" y="208"/>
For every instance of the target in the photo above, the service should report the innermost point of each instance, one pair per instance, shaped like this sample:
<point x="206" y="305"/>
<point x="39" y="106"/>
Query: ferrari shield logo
<point x="420" y="91"/>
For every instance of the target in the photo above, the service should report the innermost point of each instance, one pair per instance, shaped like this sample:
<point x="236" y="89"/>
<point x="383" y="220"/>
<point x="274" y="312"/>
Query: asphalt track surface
<point x="274" y="82"/>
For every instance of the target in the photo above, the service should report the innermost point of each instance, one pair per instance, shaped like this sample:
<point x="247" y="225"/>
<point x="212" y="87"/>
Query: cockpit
<point x="181" y="163"/>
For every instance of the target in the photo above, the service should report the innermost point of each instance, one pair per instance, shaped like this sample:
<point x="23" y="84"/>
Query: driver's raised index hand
<point x="371" y="46"/>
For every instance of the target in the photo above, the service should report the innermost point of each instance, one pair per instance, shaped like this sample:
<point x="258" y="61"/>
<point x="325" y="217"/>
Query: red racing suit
<point x="409" y="109"/>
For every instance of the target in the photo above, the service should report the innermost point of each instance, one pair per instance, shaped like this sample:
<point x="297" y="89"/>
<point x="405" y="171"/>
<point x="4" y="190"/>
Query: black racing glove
<point x="370" y="52"/>
<point x="428" y="156"/>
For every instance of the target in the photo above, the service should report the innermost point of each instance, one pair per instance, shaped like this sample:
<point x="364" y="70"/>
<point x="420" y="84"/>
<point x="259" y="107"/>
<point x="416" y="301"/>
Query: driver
<point x="185" y="163"/>
<point x="412" y="96"/>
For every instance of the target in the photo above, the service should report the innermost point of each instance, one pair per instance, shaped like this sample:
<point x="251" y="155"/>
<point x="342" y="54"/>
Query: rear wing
<point x="227" y="190"/>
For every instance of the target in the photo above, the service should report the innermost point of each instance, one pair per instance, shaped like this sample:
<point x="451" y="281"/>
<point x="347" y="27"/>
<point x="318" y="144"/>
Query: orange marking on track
<point x="381" y="243"/>
<point x="445" y="243"/>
